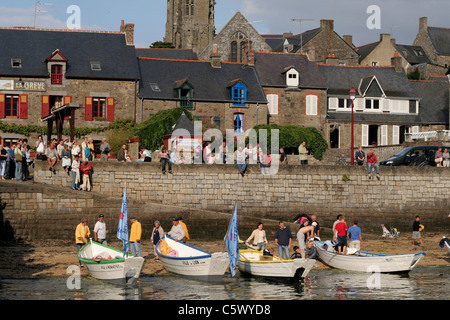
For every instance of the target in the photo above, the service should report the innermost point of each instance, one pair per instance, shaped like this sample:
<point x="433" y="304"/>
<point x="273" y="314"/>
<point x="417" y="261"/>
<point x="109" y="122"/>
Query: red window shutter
<point x="88" y="109"/>
<point x="23" y="114"/>
<point x="67" y="100"/>
<point x="2" y="106"/>
<point x="45" y="106"/>
<point x="110" y="109"/>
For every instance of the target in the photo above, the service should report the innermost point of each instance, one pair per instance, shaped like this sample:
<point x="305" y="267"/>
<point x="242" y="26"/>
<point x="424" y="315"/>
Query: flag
<point x="232" y="242"/>
<point x="122" y="230"/>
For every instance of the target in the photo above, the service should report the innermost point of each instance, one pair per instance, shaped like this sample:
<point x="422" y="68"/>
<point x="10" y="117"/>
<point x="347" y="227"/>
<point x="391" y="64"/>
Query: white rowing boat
<point x="255" y="263"/>
<point x="364" y="261"/>
<point x="107" y="263"/>
<point x="186" y="260"/>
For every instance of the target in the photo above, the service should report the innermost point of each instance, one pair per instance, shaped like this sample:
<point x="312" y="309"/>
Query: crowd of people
<point x="15" y="161"/>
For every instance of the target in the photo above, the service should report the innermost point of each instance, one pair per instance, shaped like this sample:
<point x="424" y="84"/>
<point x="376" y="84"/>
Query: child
<point x="416" y="231"/>
<point x="297" y="254"/>
<point x="341" y="228"/>
<point x="311" y="251"/>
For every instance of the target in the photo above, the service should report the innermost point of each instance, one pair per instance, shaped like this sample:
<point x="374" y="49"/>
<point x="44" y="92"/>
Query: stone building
<point x="237" y="41"/>
<point x="436" y="44"/>
<point x="45" y="69"/>
<point x="295" y="90"/>
<point x="190" y="24"/>
<point x="321" y="44"/>
<point x="222" y="95"/>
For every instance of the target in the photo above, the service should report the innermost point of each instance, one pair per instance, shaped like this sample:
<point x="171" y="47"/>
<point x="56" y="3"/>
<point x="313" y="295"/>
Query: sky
<point x="351" y="17"/>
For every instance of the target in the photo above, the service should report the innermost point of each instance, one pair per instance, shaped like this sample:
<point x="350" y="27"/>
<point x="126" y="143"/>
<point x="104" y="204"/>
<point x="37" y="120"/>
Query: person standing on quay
<point x="186" y="237"/>
<point x="417" y="228"/>
<point x="157" y="234"/>
<point x="100" y="230"/>
<point x="354" y="236"/>
<point x="303" y="152"/>
<point x="135" y="237"/>
<point x="372" y="165"/>
<point x="82" y="233"/>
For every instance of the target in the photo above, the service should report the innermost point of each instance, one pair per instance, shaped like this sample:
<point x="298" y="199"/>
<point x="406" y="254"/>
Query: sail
<point x="122" y="230"/>
<point x="232" y="242"/>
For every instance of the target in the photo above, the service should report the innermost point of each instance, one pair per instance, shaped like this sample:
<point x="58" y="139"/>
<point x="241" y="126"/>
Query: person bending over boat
<point x="305" y="232"/>
<point x="177" y="231"/>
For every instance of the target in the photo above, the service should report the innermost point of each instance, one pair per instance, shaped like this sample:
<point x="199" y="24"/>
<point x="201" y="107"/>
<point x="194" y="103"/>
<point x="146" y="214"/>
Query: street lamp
<point x="352" y="97"/>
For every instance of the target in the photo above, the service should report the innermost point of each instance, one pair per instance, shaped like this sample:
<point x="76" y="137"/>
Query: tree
<point x="150" y="132"/>
<point x="162" y="44"/>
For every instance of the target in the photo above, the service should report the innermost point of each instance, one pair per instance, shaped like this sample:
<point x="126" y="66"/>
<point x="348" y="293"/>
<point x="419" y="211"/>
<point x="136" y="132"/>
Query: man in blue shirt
<point x="283" y="239"/>
<point x="354" y="236"/>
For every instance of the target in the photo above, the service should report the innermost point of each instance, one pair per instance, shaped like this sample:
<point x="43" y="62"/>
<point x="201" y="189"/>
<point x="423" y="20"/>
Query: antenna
<point x="37" y="9"/>
<point x="301" y="34"/>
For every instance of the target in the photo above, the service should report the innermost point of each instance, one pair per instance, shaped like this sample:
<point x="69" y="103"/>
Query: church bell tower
<point x="190" y="24"/>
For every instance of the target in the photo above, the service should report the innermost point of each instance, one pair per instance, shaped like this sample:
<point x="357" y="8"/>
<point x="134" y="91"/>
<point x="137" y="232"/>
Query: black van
<point x="413" y="156"/>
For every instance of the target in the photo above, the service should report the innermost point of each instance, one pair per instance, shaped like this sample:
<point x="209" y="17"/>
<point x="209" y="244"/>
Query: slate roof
<point x="166" y="53"/>
<point x="273" y="40"/>
<point x="434" y="103"/>
<point x="340" y="79"/>
<point x="271" y="68"/>
<point x="299" y="40"/>
<point x="440" y="37"/>
<point x="366" y="49"/>
<point x="184" y="123"/>
<point x="210" y="84"/>
<point x="410" y="53"/>
<point x="34" y="46"/>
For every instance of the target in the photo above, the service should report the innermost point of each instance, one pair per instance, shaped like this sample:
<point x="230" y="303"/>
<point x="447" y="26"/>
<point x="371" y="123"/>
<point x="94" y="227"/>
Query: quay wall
<point x="395" y="199"/>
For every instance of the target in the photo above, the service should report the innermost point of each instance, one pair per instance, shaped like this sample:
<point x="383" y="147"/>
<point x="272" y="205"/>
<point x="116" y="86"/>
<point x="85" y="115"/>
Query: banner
<point x="122" y="230"/>
<point x="232" y="242"/>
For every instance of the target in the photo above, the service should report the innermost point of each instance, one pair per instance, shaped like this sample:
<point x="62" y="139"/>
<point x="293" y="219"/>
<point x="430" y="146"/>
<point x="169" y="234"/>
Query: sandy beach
<point x="51" y="258"/>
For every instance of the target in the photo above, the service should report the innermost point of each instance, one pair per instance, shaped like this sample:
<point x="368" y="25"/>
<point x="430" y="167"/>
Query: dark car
<point x="413" y="156"/>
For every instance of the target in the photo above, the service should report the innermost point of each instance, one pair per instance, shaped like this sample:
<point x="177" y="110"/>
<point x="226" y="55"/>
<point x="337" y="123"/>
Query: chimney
<point x="423" y="24"/>
<point x="393" y="43"/>
<point x="331" y="59"/>
<point x="349" y="40"/>
<point x="287" y="35"/>
<point x="396" y="61"/>
<point x="327" y="25"/>
<point x="385" y="37"/>
<point x="128" y="29"/>
<point x="215" y="59"/>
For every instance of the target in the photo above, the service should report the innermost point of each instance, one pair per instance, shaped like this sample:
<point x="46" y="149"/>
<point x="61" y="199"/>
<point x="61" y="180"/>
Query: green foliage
<point x="162" y="44"/>
<point x="150" y="132"/>
<point x="415" y="75"/>
<point x="292" y="136"/>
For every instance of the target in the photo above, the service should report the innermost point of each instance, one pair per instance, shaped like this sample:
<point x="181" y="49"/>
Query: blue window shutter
<point x="239" y="94"/>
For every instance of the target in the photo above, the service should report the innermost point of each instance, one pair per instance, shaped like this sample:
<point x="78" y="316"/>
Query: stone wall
<point x="401" y="193"/>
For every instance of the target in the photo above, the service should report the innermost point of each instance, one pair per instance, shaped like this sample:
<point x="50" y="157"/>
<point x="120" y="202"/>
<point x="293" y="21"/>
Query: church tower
<point x="190" y="24"/>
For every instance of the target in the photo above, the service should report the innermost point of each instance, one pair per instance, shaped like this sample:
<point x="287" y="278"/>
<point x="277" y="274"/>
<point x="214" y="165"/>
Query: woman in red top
<point x="341" y="228"/>
<point x="373" y="165"/>
<point x="85" y="169"/>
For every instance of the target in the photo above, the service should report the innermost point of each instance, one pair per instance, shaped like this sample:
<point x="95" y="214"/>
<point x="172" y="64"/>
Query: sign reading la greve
<point x="23" y="85"/>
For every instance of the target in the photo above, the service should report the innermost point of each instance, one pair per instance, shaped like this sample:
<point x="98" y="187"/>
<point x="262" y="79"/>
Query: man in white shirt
<point x="100" y="231"/>
<point x="177" y="231"/>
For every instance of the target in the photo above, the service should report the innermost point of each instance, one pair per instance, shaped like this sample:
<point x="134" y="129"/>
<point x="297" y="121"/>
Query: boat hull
<point x="193" y="262"/>
<point x="118" y="269"/>
<point x="369" y="262"/>
<point x="250" y="262"/>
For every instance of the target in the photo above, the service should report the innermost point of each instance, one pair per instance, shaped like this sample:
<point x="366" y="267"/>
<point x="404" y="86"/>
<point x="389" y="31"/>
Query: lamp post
<point x="352" y="97"/>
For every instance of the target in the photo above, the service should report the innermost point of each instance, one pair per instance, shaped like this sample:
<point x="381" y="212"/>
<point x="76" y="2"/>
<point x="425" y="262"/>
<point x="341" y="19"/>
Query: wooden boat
<point x="255" y="263"/>
<point x="186" y="260"/>
<point x="364" y="261"/>
<point x="107" y="263"/>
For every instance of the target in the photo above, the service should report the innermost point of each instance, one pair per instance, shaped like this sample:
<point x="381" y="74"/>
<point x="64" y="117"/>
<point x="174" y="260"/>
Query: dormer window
<point x="292" y="78"/>
<point x="16" y="63"/>
<point x="57" y="74"/>
<point x="239" y="94"/>
<point x="185" y="93"/>
<point x="96" y="66"/>
<point x="56" y="65"/>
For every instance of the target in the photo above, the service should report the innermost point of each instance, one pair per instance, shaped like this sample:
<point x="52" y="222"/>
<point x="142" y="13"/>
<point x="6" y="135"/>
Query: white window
<point x="374" y="63"/>
<point x="333" y="103"/>
<point x="365" y="135"/>
<point x="272" y="105"/>
<point x="292" y="78"/>
<point x="395" y="135"/>
<point x="384" y="135"/>
<point x="311" y="105"/>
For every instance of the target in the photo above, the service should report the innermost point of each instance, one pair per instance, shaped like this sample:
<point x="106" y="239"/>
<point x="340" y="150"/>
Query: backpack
<point x="87" y="152"/>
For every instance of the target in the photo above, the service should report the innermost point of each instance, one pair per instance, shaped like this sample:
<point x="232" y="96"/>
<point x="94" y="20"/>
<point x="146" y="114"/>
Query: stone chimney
<point x="215" y="59"/>
<point x="423" y="24"/>
<point x="331" y="59"/>
<point x="396" y="61"/>
<point x="128" y="29"/>
<point x="349" y="40"/>
<point x="327" y="25"/>
<point x="385" y="37"/>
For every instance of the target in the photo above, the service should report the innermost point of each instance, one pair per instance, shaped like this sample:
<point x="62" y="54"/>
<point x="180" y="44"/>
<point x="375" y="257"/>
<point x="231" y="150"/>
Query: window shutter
<point x="23" y="114"/>
<point x="385" y="104"/>
<point x="110" y="109"/>
<point x="45" y="106"/>
<point x="395" y="135"/>
<point x="333" y="103"/>
<point x="384" y="135"/>
<point x="311" y="105"/>
<point x="273" y="103"/>
<point x="67" y="100"/>
<point x="88" y="109"/>
<point x="2" y="106"/>
<point x="365" y="135"/>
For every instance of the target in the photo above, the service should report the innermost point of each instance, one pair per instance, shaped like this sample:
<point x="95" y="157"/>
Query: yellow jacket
<point x="136" y="231"/>
<point x="185" y="230"/>
<point x="82" y="232"/>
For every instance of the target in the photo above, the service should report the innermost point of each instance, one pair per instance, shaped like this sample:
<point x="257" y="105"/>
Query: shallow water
<point x="423" y="283"/>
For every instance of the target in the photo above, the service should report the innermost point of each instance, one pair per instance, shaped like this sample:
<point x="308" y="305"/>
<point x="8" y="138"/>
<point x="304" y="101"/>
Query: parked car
<point x="413" y="156"/>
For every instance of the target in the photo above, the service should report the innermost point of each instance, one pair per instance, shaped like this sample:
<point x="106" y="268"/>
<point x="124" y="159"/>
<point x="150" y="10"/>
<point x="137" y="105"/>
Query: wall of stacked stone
<point x="401" y="193"/>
